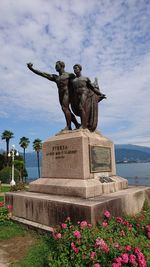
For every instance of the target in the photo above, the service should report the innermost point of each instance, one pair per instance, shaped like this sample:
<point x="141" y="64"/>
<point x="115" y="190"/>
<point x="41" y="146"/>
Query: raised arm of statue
<point x="51" y="77"/>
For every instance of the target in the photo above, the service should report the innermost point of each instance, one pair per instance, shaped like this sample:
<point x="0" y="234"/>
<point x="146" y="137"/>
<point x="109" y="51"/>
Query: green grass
<point x="36" y="256"/>
<point x="10" y="229"/>
<point x="4" y="189"/>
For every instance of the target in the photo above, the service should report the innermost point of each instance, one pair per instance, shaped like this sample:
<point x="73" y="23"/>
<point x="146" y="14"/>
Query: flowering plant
<point x="115" y="242"/>
<point x="5" y="212"/>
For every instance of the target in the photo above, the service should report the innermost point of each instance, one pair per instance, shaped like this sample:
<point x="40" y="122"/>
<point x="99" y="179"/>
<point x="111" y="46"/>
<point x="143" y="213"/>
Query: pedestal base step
<point x="50" y="210"/>
<point x="79" y="188"/>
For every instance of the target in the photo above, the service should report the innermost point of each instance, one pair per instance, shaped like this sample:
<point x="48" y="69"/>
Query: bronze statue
<point x="62" y="80"/>
<point x="84" y="99"/>
<point x="78" y="91"/>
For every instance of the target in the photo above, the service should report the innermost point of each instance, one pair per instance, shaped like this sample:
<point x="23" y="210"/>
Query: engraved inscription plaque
<point x="100" y="159"/>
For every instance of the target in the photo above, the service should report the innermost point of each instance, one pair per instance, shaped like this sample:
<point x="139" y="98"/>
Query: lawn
<point x="4" y="189"/>
<point x="22" y="247"/>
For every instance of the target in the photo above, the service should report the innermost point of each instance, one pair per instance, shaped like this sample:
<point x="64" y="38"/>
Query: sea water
<point x="136" y="173"/>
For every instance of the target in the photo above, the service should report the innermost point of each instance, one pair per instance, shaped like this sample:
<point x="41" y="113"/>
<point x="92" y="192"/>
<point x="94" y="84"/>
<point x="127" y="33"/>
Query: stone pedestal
<point x="78" y="180"/>
<point x="78" y="163"/>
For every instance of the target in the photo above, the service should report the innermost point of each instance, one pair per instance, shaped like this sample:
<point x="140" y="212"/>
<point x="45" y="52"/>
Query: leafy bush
<point x="18" y="187"/>
<point x="3" y="213"/>
<point x="115" y="242"/>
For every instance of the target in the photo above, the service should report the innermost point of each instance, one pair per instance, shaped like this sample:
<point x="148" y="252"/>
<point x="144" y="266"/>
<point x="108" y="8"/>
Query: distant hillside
<point x="131" y="155"/>
<point x="133" y="147"/>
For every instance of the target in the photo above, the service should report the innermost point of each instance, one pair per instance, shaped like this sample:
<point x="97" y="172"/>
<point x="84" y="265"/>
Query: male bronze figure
<point x="84" y="99"/>
<point x="63" y="81"/>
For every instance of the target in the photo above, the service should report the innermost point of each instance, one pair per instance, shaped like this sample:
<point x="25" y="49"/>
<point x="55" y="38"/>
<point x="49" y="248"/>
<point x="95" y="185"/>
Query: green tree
<point x="37" y="146"/>
<point x="5" y="175"/>
<point x="24" y="142"/>
<point x="19" y="165"/>
<point x="2" y="161"/>
<point x="7" y="135"/>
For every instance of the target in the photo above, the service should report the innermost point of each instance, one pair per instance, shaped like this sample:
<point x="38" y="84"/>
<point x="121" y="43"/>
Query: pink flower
<point x="1" y="204"/>
<point x="76" y="250"/>
<point x="122" y="233"/>
<point x="72" y="245"/>
<point x="132" y="259"/>
<point x="77" y="234"/>
<point x="118" y="260"/>
<point x="9" y="207"/>
<point x="148" y="234"/>
<point x="64" y="225"/>
<point x="96" y="265"/>
<point x="148" y="227"/>
<point x="119" y="220"/>
<point x="130" y="227"/>
<point x="83" y="224"/>
<point x="58" y="235"/>
<point x="89" y="225"/>
<point x="116" y="265"/>
<point x="136" y="250"/>
<point x="92" y="255"/>
<point x="107" y="214"/>
<point x="141" y="259"/>
<point x="68" y="219"/>
<point x="100" y="243"/>
<point x="128" y="247"/>
<point x="142" y="263"/>
<point x="116" y="245"/>
<point x="125" y="258"/>
<point x="104" y="224"/>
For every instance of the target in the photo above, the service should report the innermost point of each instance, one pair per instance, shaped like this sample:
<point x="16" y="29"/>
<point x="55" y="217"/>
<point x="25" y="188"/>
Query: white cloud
<point x="109" y="38"/>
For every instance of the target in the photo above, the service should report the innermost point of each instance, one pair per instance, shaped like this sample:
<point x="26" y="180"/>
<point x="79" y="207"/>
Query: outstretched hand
<point x="29" y="65"/>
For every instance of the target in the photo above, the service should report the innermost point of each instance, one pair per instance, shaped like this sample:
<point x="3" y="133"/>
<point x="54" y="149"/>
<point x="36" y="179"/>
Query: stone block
<point x="50" y="210"/>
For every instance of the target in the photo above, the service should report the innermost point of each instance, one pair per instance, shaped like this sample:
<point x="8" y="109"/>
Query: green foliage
<point x="24" y="142"/>
<point x="2" y="161"/>
<point x="1" y="198"/>
<point x="5" y="175"/>
<point x="3" y="214"/>
<point x="18" y="187"/>
<point x="83" y="245"/>
<point x="6" y="135"/>
<point x="4" y="189"/>
<point x="37" y="145"/>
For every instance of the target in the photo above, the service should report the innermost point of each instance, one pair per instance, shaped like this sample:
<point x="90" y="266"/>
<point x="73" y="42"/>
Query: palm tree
<point x="37" y="146"/>
<point x="7" y="135"/>
<point x="24" y="142"/>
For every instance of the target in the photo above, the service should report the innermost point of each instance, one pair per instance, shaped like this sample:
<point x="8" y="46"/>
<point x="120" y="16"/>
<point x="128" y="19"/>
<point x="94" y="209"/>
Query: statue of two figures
<point x="77" y="95"/>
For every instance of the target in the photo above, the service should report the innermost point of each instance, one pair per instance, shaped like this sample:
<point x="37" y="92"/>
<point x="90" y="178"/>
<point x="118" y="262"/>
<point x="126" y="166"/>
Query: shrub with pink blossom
<point x="5" y="212"/>
<point x="115" y="242"/>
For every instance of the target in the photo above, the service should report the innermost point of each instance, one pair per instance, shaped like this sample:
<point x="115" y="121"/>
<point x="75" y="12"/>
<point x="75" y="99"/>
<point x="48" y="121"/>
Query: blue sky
<point x="109" y="38"/>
